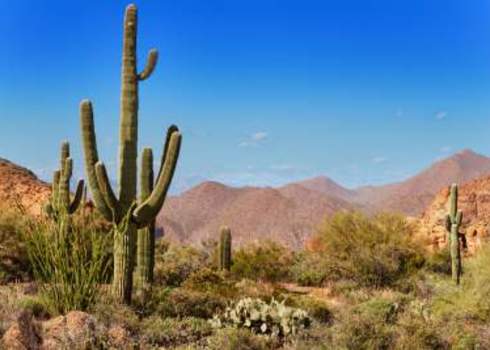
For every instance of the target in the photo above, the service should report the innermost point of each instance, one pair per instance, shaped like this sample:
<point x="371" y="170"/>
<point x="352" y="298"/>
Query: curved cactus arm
<point x="171" y="129"/>
<point x="106" y="189"/>
<point x="150" y="65"/>
<point x="65" y="153"/>
<point x="77" y="200"/>
<point x="91" y="158"/>
<point x="148" y="210"/>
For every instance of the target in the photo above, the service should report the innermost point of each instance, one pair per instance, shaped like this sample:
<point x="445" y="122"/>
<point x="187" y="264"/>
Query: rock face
<point x="19" y="185"/>
<point x="474" y="201"/>
<point x="22" y="335"/>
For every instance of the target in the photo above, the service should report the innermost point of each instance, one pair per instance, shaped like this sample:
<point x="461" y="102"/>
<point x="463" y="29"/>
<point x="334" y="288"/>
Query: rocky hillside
<point x="19" y="185"/>
<point x="474" y="201"/>
<point x="287" y="215"/>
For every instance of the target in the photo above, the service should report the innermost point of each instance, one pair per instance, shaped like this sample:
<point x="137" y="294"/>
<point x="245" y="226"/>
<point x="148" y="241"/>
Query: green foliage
<point x="68" y="265"/>
<point x="374" y="251"/>
<point x="14" y="263"/>
<point x="239" y="339"/>
<point x="274" y="319"/>
<point x="210" y="281"/>
<point x="266" y="261"/>
<point x="309" y="269"/>
<point x="439" y="262"/>
<point x="166" y="332"/>
<point x="182" y="302"/>
<point x="316" y="308"/>
<point x="176" y="264"/>
<point x="35" y="305"/>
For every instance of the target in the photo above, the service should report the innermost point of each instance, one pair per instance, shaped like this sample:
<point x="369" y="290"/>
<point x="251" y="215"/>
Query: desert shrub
<point x="373" y="252"/>
<point x="210" y="281"/>
<point x="176" y="264"/>
<point x="35" y="305"/>
<point x="316" y="308"/>
<point x="14" y="263"/>
<point x="309" y="269"/>
<point x="68" y="263"/>
<point x="239" y="339"/>
<point x="274" y="318"/>
<point x="439" y="262"/>
<point x="267" y="261"/>
<point x="165" y="332"/>
<point x="182" y="302"/>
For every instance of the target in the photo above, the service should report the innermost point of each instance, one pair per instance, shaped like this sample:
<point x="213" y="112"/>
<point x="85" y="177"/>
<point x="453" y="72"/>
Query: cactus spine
<point x="453" y="223"/>
<point x="225" y="249"/>
<point x="118" y="209"/>
<point x="60" y="203"/>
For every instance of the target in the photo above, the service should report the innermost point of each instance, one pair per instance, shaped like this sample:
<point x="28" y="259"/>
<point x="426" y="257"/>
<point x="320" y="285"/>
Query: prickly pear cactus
<point x="273" y="319"/>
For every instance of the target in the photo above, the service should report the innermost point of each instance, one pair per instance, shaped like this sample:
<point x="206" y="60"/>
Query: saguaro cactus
<point x="117" y="209"/>
<point x="225" y="249"/>
<point x="453" y="222"/>
<point x="60" y="203"/>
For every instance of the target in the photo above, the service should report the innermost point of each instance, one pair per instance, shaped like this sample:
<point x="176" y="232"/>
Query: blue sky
<point x="265" y="92"/>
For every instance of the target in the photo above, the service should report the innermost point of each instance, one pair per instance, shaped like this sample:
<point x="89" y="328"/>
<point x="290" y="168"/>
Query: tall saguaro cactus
<point x="453" y="223"/>
<point x="119" y="208"/>
<point x="225" y="249"/>
<point x="60" y="202"/>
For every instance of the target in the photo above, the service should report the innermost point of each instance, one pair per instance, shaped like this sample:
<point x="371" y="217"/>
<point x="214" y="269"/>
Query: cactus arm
<point x="150" y="65"/>
<point x="459" y="218"/>
<point x="148" y="210"/>
<point x="146" y="235"/>
<point x="77" y="200"/>
<point x="171" y="129"/>
<point x="91" y="158"/>
<point x="106" y="190"/>
<point x="55" y="187"/>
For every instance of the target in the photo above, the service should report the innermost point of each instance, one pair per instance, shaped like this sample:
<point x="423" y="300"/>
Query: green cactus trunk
<point x="225" y="249"/>
<point x="146" y="235"/>
<point x="453" y="223"/>
<point x="122" y="210"/>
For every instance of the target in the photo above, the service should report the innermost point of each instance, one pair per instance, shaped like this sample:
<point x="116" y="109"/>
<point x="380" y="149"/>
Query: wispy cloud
<point x="441" y="115"/>
<point x="379" y="160"/>
<point x="399" y="113"/>
<point x="445" y="149"/>
<point x="254" y="139"/>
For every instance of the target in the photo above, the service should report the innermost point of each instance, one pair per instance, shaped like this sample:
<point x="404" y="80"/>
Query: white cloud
<point x="446" y="149"/>
<point x="255" y="139"/>
<point x="379" y="160"/>
<point x="441" y="115"/>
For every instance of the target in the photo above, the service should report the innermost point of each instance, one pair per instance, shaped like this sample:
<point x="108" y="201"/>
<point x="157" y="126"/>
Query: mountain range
<point x="287" y="214"/>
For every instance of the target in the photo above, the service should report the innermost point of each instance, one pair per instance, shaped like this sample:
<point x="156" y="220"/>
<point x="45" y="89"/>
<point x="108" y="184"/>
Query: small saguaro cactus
<point x="60" y="202"/>
<point x="225" y="249"/>
<point x="453" y="223"/>
<point x="123" y="210"/>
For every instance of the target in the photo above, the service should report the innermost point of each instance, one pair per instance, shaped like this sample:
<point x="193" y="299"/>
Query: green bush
<point x="373" y="252"/>
<point x="176" y="264"/>
<point x="266" y="261"/>
<point x="274" y="319"/>
<point x="210" y="281"/>
<point x="166" y="332"/>
<point x="309" y="269"/>
<point x="69" y="262"/>
<point x="239" y="339"/>
<point x="439" y="262"/>
<point x="14" y="263"/>
<point x="182" y="302"/>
